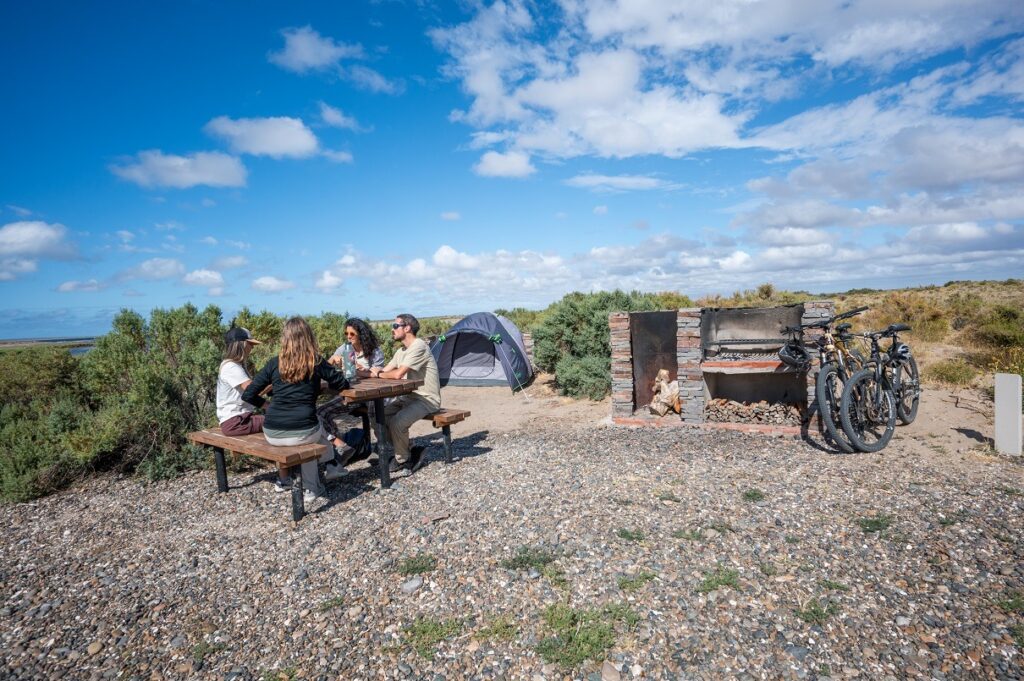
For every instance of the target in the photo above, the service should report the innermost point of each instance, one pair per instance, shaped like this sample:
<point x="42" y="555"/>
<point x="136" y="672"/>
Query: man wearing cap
<point x="412" y="361"/>
<point x="236" y="416"/>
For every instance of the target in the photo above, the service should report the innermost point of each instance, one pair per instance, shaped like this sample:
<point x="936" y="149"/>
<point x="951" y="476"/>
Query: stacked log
<point x="721" y="410"/>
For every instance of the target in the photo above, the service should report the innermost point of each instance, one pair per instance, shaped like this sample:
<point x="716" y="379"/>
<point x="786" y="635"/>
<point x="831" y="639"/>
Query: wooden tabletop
<point x="377" y="388"/>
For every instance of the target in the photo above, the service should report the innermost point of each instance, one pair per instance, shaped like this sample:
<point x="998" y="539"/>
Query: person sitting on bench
<point x="412" y="361"/>
<point x="291" y="418"/>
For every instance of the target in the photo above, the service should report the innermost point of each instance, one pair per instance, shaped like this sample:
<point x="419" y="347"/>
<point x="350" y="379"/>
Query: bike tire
<point x="907" y="401"/>
<point x="868" y="431"/>
<point x="828" y="389"/>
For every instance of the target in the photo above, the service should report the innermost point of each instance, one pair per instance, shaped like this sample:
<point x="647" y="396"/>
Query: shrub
<point x="573" y="341"/>
<point x="951" y="371"/>
<point x="1003" y="327"/>
<point x="928" y="321"/>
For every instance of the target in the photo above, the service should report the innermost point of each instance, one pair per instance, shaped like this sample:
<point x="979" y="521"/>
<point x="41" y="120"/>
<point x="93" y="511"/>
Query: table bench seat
<point x="288" y="458"/>
<point x="444" y="419"/>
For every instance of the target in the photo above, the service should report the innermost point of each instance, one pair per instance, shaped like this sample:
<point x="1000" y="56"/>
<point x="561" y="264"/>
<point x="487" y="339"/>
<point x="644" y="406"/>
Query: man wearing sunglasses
<point x="414" y="361"/>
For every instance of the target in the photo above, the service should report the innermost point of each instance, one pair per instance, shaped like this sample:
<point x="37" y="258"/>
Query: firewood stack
<point x="768" y="413"/>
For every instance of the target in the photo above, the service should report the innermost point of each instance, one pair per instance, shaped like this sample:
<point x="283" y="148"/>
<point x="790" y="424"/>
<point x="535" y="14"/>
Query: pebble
<point x="155" y="571"/>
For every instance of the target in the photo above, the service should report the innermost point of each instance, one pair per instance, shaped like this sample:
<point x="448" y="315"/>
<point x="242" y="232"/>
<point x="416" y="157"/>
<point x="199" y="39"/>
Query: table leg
<point x="298" y="504"/>
<point x="222" y="471"/>
<point x="383" y="447"/>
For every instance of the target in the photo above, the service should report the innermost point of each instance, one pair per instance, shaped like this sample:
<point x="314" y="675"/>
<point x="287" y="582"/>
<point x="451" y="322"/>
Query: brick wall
<point x="688" y="356"/>
<point x="622" y="365"/>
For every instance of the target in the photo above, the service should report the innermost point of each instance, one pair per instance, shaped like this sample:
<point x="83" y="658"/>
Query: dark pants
<point x="243" y="424"/>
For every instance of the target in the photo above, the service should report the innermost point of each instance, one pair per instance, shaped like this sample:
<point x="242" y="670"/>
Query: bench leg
<point x="446" y="432"/>
<point x="367" y="439"/>
<point x="383" y="448"/>
<point x="298" y="505"/>
<point x="222" y="471"/>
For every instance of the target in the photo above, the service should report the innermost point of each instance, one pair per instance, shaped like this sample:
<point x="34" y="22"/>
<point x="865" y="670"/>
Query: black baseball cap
<point x="239" y="334"/>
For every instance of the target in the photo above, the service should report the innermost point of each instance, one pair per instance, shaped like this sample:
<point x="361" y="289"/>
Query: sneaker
<point x="416" y="459"/>
<point x="309" y="497"/>
<point x="283" y="485"/>
<point x="333" y="471"/>
<point x="395" y="467"/>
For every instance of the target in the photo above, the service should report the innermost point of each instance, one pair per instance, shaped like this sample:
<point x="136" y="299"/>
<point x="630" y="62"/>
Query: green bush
<point x="573" y="341"/>
<point x="1002" y="327"/>
<point x="951" y="372"/>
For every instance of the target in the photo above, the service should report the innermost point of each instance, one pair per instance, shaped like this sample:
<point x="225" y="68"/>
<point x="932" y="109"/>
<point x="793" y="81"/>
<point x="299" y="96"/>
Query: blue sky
<point x="443" y="158"/>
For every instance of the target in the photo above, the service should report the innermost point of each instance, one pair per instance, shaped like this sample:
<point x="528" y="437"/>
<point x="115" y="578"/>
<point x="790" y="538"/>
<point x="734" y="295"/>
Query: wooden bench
<point x="289" y="459"/>
<point x="441" y="419"/>
<point x="444" y="419"/>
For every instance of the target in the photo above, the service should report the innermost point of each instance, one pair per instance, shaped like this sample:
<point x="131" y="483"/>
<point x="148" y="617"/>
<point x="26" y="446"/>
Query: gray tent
<point x="482" y="349"/>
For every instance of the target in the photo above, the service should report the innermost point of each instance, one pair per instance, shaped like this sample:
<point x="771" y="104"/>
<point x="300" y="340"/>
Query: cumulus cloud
<point x="154" y="269"/>
<point x="277" y="137"/>
<point x="205" y="278"/>
<point x="366" y="78"/>
<point x="23" y="244"/>
<point x="338" y="156"/>
<point x="328" y="281"/>
<point x="509" y="164"/>
<point x="268" y="284"/>
<point x="153" y="168"/>
<point x="306" y="50"/>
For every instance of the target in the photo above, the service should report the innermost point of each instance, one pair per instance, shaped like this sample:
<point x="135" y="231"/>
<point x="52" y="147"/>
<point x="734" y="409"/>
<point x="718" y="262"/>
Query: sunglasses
<point x="396" y="325"/>
<point x="351" y="334"/>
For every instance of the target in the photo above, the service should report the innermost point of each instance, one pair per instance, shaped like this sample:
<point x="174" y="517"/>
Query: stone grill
<point x="747" y="373"/>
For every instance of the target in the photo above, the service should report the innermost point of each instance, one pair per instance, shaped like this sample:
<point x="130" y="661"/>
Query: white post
<point x="1008" y="416"/>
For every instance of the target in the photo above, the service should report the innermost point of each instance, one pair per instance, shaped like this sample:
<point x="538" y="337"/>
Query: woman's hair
<point x="368" y="341"/>
<point x="299" y="353"/>
<point x="235" y="351"/>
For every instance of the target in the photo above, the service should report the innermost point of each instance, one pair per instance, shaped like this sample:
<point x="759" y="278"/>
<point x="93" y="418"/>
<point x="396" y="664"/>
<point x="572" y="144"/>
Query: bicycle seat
<point x="844" y="327"/>
<point x="896" y="328"/>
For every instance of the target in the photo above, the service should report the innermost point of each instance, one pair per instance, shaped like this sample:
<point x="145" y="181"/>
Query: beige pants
<point x="400" y="414"/>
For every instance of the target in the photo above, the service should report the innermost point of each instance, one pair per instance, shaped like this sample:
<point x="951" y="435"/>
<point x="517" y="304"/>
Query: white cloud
<point x="204" y="278"/>
<point x="80" y="286"/>
<point x="155" y="269"/>
<point x="153" y="168"/>
<point x="327" y="281"/>
<point x="169" y="226"/>
<point x="613" y="183"/>
<point x="306" y="50"/>
<point x="446" y="256"/>
<point x="338" y="119"/>
<point x="240" y="245"/>
<point x="510" y="164"/>
<point x="451" y="215"/>
<point x="277" y="137"/>
<point x="601" y="210"/>
<point x="268" y="284"/>
<point x="368" y="79"/>
<point x="24" y="243"/>
<point x="124" y="235"/>
<point x="338" y="156"/>
<point x="208" y="240"/>
<point x="230" y="262"/>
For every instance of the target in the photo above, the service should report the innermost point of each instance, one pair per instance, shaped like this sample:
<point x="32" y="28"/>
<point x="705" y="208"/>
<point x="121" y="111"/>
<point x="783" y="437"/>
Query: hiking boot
<point x="395" y="467"/>
<point x="416" y="458"/>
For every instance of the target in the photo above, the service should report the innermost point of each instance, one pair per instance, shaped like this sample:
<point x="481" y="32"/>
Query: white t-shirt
<point x="229" y="397"/>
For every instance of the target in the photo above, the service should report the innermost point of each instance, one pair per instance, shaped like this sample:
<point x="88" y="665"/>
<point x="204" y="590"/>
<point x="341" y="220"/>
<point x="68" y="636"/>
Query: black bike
<point x="871" y="398"/>
<point x="838" y="361"/>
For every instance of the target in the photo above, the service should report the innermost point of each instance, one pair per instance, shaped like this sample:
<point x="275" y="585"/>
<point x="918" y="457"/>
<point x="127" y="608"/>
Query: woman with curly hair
<point x="291" y="418"/>
<point x="363" y="348"/>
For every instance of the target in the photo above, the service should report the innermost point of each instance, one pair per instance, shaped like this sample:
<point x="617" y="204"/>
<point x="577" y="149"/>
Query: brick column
<point x="814" y="311"/>
<point x="688" y="357"/>
<point x="622" y="365"/>
<point x="528" y="346"/>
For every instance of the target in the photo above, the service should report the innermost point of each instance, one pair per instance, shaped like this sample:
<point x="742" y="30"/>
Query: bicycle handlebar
<point x="825" y="323"/>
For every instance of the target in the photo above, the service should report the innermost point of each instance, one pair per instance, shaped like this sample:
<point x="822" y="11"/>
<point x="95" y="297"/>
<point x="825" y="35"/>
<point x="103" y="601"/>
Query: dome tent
<point x="482" y="349"/>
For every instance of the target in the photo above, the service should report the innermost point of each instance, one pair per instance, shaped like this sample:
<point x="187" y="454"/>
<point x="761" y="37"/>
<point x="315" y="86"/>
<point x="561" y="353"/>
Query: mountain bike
<point x="868" y="408"/>
<point x="837" y="362"/>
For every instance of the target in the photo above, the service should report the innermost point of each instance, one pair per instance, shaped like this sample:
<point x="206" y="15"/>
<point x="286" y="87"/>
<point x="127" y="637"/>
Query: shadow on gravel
<point x="463" y="447"/>
<point x="823" y="443"/>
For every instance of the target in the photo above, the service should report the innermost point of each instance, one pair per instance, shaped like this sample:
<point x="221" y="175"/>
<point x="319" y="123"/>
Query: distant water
<point x="80" y="350"/>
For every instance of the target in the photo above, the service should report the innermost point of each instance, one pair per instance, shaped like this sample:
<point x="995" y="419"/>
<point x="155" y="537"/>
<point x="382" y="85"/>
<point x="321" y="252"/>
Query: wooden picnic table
<point x="376" y="390"/>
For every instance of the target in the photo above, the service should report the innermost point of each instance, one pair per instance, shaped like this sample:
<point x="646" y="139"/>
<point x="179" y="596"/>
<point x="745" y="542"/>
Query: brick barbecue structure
<point x="688" y="342"/>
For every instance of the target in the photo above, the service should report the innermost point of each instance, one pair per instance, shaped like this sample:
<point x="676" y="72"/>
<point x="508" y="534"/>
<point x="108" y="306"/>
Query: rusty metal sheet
<point x="720" y="325"/>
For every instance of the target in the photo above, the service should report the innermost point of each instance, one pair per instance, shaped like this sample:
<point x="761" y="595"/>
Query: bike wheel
<point x="908" y="390"/>
<point x="867" y="412"/>
<point x="828" y="389"/>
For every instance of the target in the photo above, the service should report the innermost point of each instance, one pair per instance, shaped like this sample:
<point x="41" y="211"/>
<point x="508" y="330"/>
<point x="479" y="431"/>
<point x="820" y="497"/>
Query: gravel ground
<point x="699" y="555"/>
